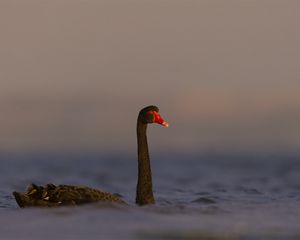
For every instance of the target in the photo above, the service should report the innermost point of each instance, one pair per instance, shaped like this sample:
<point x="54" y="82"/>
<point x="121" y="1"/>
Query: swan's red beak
<point x="158" y="119"/>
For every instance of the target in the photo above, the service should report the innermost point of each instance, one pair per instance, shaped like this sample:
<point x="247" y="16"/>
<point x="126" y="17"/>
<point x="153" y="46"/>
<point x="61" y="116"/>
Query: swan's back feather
<point x="62" y="195"/>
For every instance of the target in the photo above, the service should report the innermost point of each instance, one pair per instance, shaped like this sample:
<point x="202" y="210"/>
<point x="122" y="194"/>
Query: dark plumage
<point x="62" y="195"/>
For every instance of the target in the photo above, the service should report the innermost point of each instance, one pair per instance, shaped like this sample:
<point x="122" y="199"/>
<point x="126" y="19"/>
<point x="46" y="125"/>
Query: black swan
<point x="62" y="195"/>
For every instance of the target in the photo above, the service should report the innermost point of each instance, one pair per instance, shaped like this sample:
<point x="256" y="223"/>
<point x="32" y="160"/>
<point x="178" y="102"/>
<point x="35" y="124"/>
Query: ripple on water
<point x="253" y="191"/>
<point x="204" y="200"/>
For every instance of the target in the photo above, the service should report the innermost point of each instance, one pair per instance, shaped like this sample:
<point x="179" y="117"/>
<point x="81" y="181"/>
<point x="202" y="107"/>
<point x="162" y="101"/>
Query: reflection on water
<point x="198" y="197"/>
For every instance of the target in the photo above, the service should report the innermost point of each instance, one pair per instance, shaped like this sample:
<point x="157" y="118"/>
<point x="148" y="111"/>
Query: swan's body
<point x="62" y="195"/>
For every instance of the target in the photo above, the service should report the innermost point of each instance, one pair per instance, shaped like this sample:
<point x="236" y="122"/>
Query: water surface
<point x="199" y="196"/>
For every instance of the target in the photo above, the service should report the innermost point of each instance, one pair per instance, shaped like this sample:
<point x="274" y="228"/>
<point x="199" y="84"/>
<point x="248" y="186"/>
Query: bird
<point x="52" y="195"/>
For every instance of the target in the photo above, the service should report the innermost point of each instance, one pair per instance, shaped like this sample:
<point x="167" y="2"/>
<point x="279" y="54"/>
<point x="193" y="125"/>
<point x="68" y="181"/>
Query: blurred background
<point x="74" y="74"/>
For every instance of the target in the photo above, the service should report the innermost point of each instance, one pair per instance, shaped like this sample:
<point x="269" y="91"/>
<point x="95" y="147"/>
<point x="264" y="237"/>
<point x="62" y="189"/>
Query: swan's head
<point x="150" y="115"/>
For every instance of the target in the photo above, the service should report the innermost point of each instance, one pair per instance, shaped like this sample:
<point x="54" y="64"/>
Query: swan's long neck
<point x="144" y="193"/>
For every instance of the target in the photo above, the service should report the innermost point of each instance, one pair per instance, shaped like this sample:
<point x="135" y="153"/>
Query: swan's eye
<point x="151" y="115"/>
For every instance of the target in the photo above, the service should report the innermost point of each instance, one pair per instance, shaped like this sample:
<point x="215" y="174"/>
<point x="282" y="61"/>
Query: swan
<point x="52" y="195"/>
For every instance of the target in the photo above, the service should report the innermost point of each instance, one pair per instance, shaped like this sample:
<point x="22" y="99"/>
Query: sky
<point x="75" y="73"/>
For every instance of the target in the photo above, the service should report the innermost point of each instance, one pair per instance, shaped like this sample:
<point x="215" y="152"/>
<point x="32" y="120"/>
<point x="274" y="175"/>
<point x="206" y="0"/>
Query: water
<point x="199" y="196"/>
